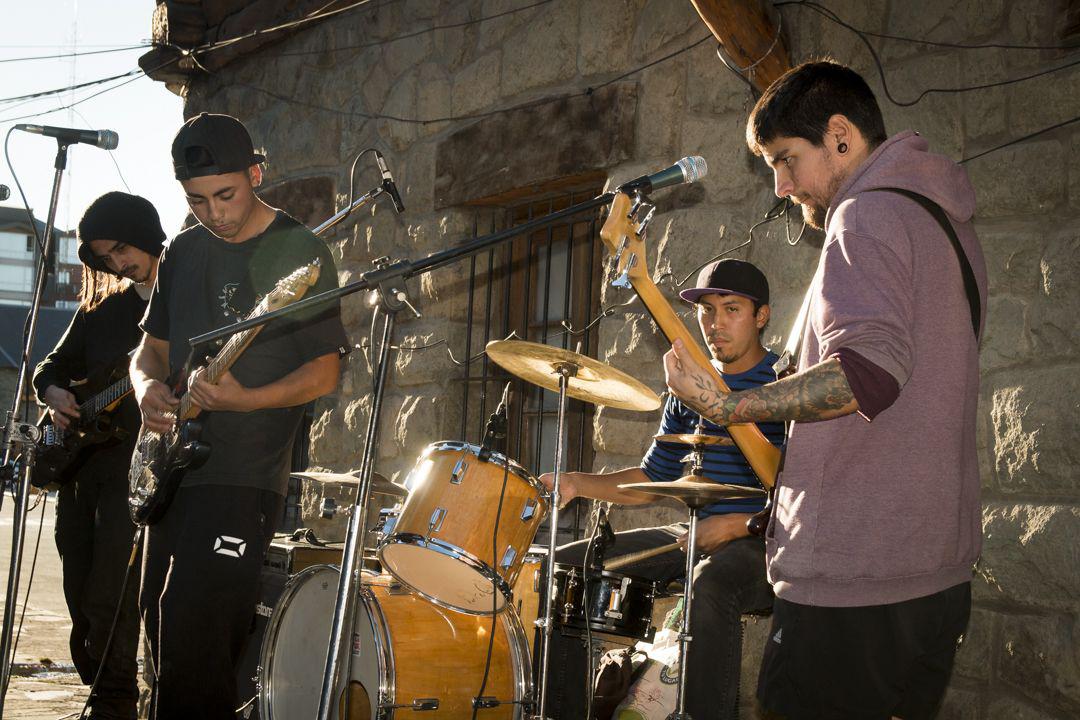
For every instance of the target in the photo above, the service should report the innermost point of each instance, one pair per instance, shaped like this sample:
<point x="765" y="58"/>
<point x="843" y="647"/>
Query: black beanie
<point x="125" y="218"/>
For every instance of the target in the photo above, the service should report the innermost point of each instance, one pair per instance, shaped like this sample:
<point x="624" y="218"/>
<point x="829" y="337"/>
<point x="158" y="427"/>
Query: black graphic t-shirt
<point x="205" y="283"/>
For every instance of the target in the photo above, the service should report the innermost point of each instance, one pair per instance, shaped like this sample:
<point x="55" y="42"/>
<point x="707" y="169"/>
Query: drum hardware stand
<point x="697" y="460"/>
<point x="21" y="437"/>
<point x="565" y="372"/>
<point x="390" y="300"/>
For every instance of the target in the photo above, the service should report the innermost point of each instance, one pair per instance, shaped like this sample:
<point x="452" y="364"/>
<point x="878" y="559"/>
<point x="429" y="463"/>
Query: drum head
<point x="440" y="575"/>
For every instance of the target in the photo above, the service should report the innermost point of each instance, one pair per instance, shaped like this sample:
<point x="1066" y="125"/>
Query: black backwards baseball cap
<point x="729" y="277"/>
<point x="122" y="217"/>
<point x="209" y="144"/>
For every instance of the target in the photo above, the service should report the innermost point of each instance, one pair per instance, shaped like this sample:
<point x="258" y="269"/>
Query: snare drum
<point x="441" y="546"/>
<point x="409" y="655"/>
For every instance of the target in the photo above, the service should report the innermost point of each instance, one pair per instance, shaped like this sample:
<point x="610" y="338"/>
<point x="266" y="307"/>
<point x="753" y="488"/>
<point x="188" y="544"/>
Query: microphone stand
<point x="388" y="278"/>
<point x="20" y="437"/>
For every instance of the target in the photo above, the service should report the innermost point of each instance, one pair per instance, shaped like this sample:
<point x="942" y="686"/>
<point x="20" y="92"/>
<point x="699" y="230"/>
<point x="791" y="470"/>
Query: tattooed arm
<point x="820" y="392"/>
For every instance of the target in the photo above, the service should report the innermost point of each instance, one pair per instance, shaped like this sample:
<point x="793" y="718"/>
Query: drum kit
<point x="441" y="617"/>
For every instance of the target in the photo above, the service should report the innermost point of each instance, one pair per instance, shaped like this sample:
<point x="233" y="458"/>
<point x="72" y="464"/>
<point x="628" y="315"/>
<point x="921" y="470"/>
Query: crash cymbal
<point x="696" y="491"/>
<point x="594" y="382"/>
<point x="379" y="484"/>
<point x="694" y="439"/>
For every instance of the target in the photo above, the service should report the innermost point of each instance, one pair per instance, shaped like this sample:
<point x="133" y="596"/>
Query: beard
<point x="814" y="215"/>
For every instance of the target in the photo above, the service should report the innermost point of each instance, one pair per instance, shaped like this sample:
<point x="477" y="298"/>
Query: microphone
<point x="5" y="192"/>
<point x="388" y="183"/>
<point x="495" y="431"/>
<point x="688" y="170"/>
<point x="104" y="139"/>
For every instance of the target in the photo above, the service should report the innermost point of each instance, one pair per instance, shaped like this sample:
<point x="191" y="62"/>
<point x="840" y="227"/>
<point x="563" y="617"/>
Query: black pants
<point x="727" y="584"/>
<point x="94" y="535"/>
<point x="200" y="586"/>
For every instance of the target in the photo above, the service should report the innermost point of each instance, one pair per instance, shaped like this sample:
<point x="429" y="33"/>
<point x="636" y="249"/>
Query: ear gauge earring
<point x="841" y="148"/>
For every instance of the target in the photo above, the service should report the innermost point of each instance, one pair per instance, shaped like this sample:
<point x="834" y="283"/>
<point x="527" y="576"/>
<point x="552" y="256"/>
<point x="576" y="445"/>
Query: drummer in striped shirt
<point x="731" y="298"/>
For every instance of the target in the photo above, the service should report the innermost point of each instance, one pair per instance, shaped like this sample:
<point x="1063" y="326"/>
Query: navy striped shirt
<point x="723" y="463"/>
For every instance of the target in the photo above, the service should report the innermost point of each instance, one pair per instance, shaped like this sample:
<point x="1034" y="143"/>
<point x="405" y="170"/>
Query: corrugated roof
<point x="52" y="322"/>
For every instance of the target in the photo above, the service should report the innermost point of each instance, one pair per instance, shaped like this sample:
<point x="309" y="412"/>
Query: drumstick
<point x="631" y="558"/>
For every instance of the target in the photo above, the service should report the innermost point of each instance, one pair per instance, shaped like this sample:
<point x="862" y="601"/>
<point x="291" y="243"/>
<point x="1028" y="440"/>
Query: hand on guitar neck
<point x="225" y="394"/>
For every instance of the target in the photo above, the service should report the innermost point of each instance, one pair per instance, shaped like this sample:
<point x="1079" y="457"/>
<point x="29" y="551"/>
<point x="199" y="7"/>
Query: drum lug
<point x="529" y="511"/>
<point x="508" y="557"/>
<point x="436" y="521"/>
<point x="418" y="705"/>
<point x="458" y="473"/>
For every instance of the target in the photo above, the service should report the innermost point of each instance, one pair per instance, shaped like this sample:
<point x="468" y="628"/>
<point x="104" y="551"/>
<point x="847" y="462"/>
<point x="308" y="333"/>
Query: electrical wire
<point x="76" y="54"/>
<point x="494" y="589"/>
<point x="70" y="88"/>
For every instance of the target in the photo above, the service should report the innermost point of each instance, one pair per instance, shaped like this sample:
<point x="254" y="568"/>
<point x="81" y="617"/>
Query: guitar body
<point x="157" y="467"/>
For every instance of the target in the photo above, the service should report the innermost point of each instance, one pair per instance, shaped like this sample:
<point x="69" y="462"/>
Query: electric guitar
<point x="622" y="234"/>
<point x="160" y="459"/>
<point x="60" y="452"/>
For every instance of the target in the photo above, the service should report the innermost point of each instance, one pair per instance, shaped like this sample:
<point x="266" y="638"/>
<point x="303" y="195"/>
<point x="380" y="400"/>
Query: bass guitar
<point x="622" y="234"/>
<point x="160" y="459"/>
<point x="60" y="452"/>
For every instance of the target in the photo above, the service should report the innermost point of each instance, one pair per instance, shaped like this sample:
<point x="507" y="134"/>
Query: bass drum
<point x="409" y="655"/>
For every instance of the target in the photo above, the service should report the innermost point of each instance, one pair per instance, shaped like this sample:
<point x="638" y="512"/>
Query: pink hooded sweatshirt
<point x="873" y="512"/>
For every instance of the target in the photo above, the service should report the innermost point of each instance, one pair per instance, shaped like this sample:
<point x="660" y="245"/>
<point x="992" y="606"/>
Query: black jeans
<point x="727" y="584"/>
<point x="200" y="585"/>
<point x="94" y="535"/>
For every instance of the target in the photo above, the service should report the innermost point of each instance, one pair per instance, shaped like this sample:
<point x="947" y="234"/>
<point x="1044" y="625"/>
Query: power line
<point x="75" y="54"/>
<point x="69" y="88"/>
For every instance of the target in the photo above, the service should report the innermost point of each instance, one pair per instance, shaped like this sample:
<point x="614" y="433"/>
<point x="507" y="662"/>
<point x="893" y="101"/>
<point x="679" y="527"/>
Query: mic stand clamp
<point x="605" y="538"/>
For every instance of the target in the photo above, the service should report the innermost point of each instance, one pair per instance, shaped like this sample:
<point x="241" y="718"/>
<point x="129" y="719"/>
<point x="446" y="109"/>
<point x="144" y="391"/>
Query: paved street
<point x="44" y="685"/>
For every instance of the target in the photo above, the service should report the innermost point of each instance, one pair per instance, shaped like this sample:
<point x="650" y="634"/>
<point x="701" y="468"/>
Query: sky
<point x="143" y="113"/>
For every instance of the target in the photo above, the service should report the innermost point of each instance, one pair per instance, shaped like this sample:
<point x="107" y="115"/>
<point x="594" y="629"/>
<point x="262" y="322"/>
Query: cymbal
<point x="594" y="382"/>
<point x="694" y="439"/>
<point x="695" y="491"/>
<point x="379" y="484"/>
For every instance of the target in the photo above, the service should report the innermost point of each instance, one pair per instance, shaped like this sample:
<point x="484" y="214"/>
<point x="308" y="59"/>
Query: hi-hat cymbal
<point x="593" y="382"/>
<point x="696" y="491"/>
<point x="379" y="484"/>
<point x="694" y="439"/>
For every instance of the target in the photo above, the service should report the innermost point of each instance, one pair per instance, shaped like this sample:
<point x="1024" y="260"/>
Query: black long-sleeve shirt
<point x="94" y="342"/>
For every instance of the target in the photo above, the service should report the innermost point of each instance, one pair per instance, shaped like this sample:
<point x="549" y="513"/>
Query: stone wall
<point x="312" y="108"/>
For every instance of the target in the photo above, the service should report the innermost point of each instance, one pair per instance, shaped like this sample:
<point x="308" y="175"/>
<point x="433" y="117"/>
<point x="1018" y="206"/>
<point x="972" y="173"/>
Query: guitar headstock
<point x="622" y="233"/>
<point x="292" y="287"/>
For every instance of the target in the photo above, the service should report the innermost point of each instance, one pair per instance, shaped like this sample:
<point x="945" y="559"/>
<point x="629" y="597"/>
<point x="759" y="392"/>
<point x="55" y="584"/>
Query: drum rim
<point x="449" y="550"/>
<point x="495" y="458"/>
<point x="272" y="628"/>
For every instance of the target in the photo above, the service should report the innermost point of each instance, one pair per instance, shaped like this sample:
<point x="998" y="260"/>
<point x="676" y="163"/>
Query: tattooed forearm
<point x="818" y="393"/>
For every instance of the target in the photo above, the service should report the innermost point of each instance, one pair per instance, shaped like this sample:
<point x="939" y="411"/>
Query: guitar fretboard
<point x="97" y="404"/>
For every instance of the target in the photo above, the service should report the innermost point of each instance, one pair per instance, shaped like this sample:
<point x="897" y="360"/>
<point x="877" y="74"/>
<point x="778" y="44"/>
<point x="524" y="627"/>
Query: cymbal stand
<point x="565" y="371"/>
<point x="697" y="460"/>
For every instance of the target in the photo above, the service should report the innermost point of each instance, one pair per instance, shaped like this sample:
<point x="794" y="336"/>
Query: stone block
<point x="961" y="704"/>
<point x="564" y="138"/>
<point x="635" y="346"/>
<point x="973" y="659"/>
<point x="430" y="364"/>
<point x="1074" y="172"/>
<point x="712" y="88"/>
<point x="418" y="423"/>
<point x="1038" y="656"/>
<point x="605" y="29"/>
<point x="1053" y="320"/>
<point x="401" y="56"/>
<point x="623" y="432"/>
<point x="400" y="103"/>
<point x="1013" y="708"/>
<point x="544" y="52"/>
<point x="495" y="31"/>
<point x="661" y="22"/>
<point x="660" y="114"/>
<point x="476" y="86"/>
<point x="1036" y="442"/>
<point x="1030" y="556"/>
<point x="937" y="116"/>
<point x="984" y="111"/>
<point x="1013" y="252"/>
<point x="375" y="86"/>
<point x="721" y="141"/>
<point x="1041" y="102"/>
<point x="1007" y="339"/>
<point x="1015" y="181"/>
<point x="1034" y="22"/>
<point x="434" y="98"/>
<point x="664" y="512"/>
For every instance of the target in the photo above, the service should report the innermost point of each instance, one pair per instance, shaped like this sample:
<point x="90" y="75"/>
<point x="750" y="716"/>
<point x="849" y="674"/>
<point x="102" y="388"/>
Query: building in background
<point x="19" y="256"/>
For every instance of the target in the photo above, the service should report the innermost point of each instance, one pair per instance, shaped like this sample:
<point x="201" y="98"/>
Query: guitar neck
<point x="98" y="403"/>
<point x="223" y="361"/>
<point x="762" y="456"/>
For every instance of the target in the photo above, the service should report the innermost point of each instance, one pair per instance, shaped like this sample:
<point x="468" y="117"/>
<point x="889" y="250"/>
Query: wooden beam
<point x="748" y="36"/>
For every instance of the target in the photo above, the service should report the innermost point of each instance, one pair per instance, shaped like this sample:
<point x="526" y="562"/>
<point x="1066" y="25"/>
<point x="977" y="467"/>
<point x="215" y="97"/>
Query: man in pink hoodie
<point x="876" y="521"/>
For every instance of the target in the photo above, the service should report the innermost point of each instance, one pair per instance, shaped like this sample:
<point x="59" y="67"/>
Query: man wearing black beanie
<point x="120" y="239"/>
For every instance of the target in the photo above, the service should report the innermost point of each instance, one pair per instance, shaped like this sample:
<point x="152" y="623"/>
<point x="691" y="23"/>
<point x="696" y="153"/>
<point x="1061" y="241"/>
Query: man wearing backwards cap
<point x="203" y="558"/>
<point x="732" y="302"/>
<point x="120" y="239"/>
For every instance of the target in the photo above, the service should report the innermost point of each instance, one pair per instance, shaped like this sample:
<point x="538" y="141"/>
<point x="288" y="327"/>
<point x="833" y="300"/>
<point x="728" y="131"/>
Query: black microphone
<point x="388" y="183"/>
<point x="495" y="431"/>
<point x="5" y="192"/>
<point x="104" y="139"/>
<point x="688" y="170"/>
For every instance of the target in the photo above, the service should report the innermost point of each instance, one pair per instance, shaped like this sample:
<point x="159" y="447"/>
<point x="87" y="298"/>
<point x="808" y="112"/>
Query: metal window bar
<point x="529" y="287"/>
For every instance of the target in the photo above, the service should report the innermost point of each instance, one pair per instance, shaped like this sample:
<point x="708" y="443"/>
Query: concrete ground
<point x="44" y="685"/>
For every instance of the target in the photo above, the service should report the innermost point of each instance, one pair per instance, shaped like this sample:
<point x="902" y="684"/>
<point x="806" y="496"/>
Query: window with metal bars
<point x="543" y="287"/>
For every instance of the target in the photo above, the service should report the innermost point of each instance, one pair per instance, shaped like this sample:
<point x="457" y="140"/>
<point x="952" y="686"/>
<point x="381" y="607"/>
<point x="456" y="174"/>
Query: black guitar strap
<point x="970" y="286"/>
